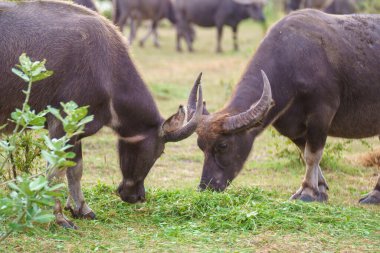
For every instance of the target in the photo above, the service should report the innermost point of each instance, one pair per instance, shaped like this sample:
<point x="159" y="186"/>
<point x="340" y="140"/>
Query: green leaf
<point x="42" y="76"/>
<point x="38" y="183"/>
<point x="13" y="186"/>
<point x="20" y="74"/>
<point x="44" y="218"/>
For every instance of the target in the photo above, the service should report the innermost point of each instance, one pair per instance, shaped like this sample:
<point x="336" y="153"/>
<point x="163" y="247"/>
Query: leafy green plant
<point x="29" y="198"/>
<point x="24" y="205"/>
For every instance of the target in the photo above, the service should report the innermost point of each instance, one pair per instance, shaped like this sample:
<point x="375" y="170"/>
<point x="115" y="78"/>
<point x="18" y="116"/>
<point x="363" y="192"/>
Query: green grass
<point x="253" y="215"/>
<point x="209" y="222"/>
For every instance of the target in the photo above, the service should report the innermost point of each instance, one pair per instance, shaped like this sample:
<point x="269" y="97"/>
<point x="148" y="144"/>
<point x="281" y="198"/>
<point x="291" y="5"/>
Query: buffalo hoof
<point x="62" y="221"/>
<point x="60" y="218"/>
<point x="78" y="214"/>
<point x="371" y="198"/>
<point x="307" y="198"/>
<point x="308" y="195"/>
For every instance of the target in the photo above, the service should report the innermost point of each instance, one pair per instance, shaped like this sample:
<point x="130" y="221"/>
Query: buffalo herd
<point x="314" y="75"/>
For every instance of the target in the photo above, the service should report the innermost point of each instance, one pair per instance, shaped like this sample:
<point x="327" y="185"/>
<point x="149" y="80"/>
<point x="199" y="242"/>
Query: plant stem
<point x="24" y="105"/>
<point x="11" y="230"/>
<point x="11" y="140"/>
<point x="13" y="180"/>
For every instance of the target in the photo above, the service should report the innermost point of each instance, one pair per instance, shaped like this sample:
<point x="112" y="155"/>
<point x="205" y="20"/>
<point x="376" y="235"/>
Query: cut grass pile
<point x="209" y="222"/>
<point x="243" y="209"/>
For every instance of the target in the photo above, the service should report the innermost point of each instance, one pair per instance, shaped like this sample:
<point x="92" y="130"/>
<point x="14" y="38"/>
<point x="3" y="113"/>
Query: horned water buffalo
<point x="87" y="3"/>
<point x="324" y="81"/>
<point x="137" y="10"/>
<point x="328" y="6"/>
<point x="92" y="67"/>
<point x="214" y="13"/>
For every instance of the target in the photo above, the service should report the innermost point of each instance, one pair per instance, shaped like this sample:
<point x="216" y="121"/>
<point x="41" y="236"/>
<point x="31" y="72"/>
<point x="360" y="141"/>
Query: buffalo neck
<point x="250" y="88"/>
<point x="132" y="102"/>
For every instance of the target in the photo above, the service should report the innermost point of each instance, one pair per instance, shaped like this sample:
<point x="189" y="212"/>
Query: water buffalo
<point x="329" y="6"/>
<point x="92" y="67"/>
<point x="137" y="10"/>
<point x="324" y="81"/>
<point x="214" y="13"/>
<point x="87" y="3"/>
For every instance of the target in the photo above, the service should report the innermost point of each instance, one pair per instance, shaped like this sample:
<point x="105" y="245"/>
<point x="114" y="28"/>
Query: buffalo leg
<point x="178" y="46"/>
<point x="235" y="38"/>
<point x="142" y="41"/>
<point x="132" y="32"/>
<point x="74" y="175"/>
<point x="314" y="180"/>
<point x="322" y="183"/>
<point x="189" y="39"/>
<point x="155" y="34"/>
<point x="219" y="39"/>
<point x="373" y="197"/>
<point x="122" y="21"/>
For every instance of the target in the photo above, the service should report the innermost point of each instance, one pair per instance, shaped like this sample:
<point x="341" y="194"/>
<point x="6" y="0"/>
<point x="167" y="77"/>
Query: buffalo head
<point x="139" y="153"/>
<point x="254" y="8"/>
<point x="226" y="140"/>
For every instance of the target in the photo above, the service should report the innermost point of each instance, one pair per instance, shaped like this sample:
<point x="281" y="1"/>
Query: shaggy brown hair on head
<point x="371" y="159"/>
<point x="211" y="125"/>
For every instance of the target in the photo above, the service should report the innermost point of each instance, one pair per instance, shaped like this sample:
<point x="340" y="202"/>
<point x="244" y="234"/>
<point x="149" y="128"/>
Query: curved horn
<point x="253" y="115"/>
<point x="192" y="100"/>
<point x="192" y="124"/>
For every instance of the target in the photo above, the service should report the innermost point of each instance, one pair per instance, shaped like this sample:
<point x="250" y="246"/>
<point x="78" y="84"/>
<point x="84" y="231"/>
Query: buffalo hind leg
<point x="74" y="175"/>
<point x="189" y="38"/>
<point x="372" y="197"/>
<point x="219" y="39"/>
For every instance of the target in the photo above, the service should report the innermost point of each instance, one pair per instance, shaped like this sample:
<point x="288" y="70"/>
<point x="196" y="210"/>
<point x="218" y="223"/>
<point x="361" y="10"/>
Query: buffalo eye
<point x="221" y="147"/>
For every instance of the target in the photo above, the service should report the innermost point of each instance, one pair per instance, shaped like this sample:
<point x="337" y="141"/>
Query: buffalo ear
<point x="175" y="121"/>
<point x="205" y="112"/>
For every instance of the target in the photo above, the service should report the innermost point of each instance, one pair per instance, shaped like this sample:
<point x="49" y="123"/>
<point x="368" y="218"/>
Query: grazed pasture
<point x="253" y="215"/>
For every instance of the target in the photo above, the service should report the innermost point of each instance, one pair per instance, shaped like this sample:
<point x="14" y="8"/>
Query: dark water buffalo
<point x="92" y="67"/>
<point x="329" y="6"/>
<point x="214" y="13"/>
<point x="341" y="7"/>
<point x="324" y="81"/>
<point x="137" y="10"/>
<point x="87" y="3"/>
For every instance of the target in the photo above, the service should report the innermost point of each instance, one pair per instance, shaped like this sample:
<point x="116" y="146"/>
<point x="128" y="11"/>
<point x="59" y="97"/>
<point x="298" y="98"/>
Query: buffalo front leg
<point x="372" y="197"/>
<point x="235" y="38"/>
<point x="60" y="218"/>
<point x="79" y="209"/>
<point x="322" y="183"/>
<point x="313" y="180"/>
<point x="142" y="41"/>
<point x="132" y="33"/>
<point x="178" y="44"/>
<point x="155" y="34"/>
